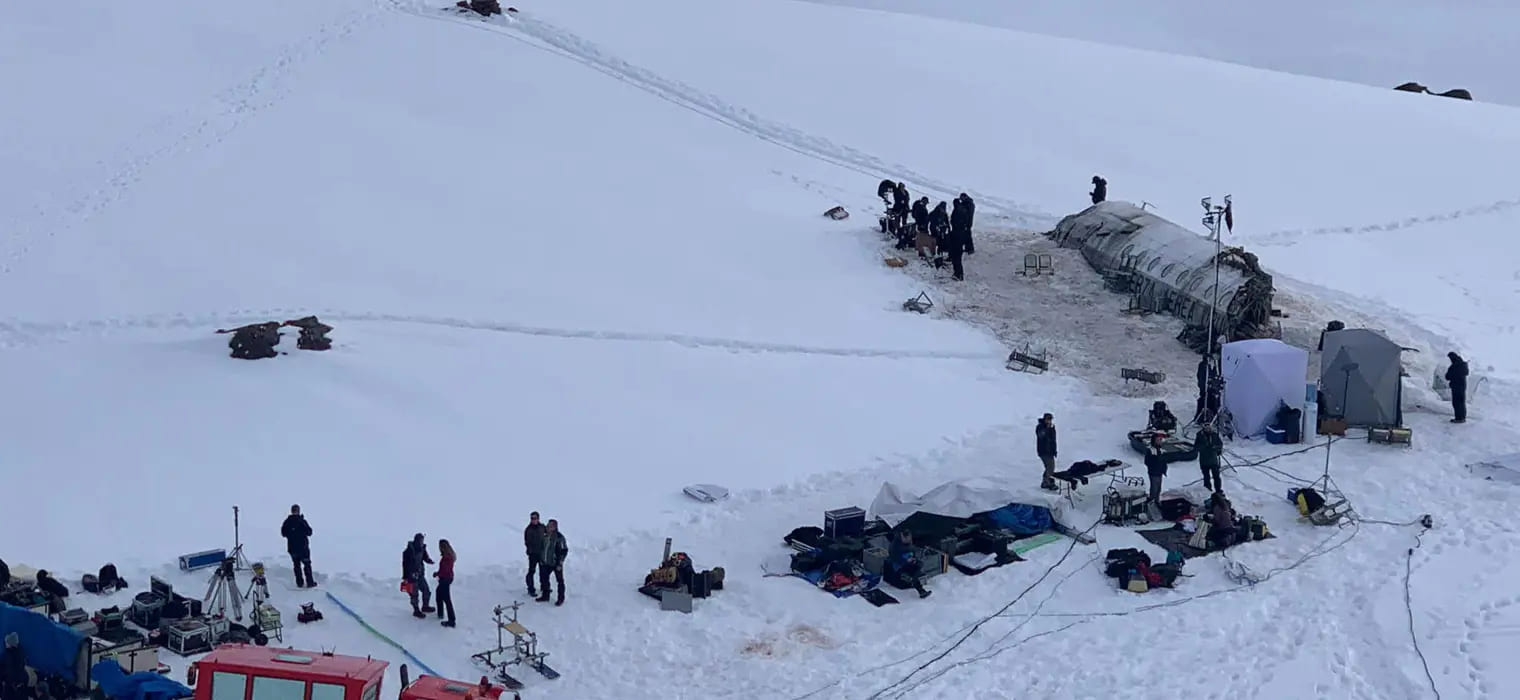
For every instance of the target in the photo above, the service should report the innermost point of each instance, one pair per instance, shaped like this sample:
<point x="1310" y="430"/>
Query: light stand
<point x="1330" y="439"/>
<point x="1213" y="217"/>
<point x="239" y="560"/>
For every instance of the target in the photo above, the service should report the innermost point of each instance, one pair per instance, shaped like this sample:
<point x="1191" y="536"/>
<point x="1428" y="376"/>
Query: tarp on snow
<point x="143" y="685"/>
<point x="1502" y="468"/>
<point x="50" y="647"/>
<point x="961" y="498"/>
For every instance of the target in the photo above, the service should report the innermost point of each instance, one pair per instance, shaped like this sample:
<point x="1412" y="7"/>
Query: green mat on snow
<point x="1042" y="539"/>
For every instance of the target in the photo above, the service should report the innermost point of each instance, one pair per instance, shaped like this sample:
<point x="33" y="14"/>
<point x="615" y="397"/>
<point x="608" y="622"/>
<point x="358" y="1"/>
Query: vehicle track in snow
<point x="191" y="130"/>
<point x="564" y="43"/>
<point x="18" y="333"/>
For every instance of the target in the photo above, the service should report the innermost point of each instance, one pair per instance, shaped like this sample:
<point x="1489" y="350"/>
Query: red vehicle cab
<point x="248" y="672"/>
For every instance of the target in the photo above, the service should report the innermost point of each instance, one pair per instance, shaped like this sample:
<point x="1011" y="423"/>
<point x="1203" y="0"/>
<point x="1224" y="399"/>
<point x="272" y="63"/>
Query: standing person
<point x="960" y="233"/>
<point x="533" y="541"/>
<point x="297" y="534"/>
<point x="969" y="205"/>
<point x="939" y="225"/>
<point x="1210" y="447"/>
<point x="552" y="559"/>
<point x="1456" y="378"/>
<point x="1155" y="468"/>
<point x="899" y="215"/>
<point x="884" y="191"/>
<point x="1099" y="191"/>
<point x="445" y="576"/>
<point x="1045" y="447"/>
<point x="412" y="572"/>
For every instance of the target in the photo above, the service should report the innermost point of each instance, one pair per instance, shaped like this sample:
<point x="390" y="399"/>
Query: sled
<point x="544" y="669"/>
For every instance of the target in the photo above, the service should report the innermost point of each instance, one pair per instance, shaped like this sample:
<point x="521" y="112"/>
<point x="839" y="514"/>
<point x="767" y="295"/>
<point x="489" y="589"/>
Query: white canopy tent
<point x="961" y="498"/>
<point x="1259" y="375"/>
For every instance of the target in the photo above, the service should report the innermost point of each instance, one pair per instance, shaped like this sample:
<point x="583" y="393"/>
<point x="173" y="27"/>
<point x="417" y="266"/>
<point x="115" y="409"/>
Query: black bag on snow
<point x="1120" y="561"/>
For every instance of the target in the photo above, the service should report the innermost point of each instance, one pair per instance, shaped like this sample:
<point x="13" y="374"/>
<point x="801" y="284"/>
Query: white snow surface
<point x="575" y="260"/>
<point x="1453" y="44"/>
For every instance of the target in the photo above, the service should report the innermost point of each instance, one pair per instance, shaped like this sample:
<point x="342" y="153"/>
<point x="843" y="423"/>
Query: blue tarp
<point x="143" y="685"/>
<point x="1021" y="519"/>
<point x="51" y="648"/>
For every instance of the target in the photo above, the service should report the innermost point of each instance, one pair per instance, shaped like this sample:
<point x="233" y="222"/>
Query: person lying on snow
<point x="903" y="567"/>
<point x="1161" y="418"/>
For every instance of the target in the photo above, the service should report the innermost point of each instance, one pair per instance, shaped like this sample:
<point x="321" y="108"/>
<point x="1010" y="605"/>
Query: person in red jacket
<point x="445" y="576"/>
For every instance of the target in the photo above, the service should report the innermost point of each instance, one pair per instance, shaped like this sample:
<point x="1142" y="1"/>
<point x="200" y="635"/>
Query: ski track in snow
<point x="189" y="131"/>
<point x="19" y="333"/>
<point x="562" y="42"/>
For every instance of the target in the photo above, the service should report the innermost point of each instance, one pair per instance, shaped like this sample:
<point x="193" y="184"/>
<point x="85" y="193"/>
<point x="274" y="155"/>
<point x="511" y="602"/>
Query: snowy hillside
<point x="1463" y="44"/>
<point x="575" y="260"/>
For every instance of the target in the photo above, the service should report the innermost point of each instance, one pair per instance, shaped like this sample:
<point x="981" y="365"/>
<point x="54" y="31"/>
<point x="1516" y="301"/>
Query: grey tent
<point x="1360" y="377"/>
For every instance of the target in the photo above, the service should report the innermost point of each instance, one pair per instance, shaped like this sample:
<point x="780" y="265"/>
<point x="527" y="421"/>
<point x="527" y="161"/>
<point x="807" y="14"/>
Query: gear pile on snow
<point x="484" y="8"/>
<point x="257" y="341"/>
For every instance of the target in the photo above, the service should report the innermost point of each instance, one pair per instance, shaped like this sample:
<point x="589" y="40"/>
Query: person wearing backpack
<point x="445" y="576"/>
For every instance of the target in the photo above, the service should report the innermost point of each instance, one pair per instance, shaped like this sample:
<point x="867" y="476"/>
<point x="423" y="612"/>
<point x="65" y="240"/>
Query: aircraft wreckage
<point x="1165" y="268"/>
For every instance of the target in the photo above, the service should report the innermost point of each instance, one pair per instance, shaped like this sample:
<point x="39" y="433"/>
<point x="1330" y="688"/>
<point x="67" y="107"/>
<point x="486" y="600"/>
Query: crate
<point x="201" y="560"/>
<point x="844" y="522"/>
<point x="1277" y="436"/>
<point x="1391" y="436"/>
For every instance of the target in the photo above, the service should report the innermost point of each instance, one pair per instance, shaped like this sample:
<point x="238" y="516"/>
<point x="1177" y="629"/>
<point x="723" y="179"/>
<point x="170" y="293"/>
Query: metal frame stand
<point x="524" y="647"/>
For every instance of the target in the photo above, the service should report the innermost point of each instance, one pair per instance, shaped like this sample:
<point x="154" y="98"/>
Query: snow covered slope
<point x="576" y="261"/>
<point x="1465" y="43"/>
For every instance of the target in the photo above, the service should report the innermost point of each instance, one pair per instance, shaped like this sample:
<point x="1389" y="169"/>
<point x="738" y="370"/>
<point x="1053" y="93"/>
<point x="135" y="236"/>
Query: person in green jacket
<point x="1210" y="447"/>
<point x="552" y="560"/>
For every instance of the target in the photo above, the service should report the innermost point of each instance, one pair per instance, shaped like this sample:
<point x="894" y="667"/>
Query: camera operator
<point x="297" y="533"/>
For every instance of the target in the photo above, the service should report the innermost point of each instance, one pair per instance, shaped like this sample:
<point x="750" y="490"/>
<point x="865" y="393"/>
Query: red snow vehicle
<point x="248" y="672"/>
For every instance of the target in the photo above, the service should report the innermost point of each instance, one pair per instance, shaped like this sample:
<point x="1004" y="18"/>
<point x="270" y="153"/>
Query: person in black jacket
<point x="1210" y="447"/>
<point x="921" y="215"/>
<point x="1155" y="467"/>
<point x="56" y="592"/>
<point x="1045" y="447"/>
<point x="533" y="541"/>
<point x="1456" y="378"/>
<point x="1099" y="191"/>
<point x="412" y="571"/>
<point x="884" y="190"/>
<point x="959" y="243"/>
<point x="899" y="216"/>
<point x="297" y="534"/>
<point x="939" y="223"/>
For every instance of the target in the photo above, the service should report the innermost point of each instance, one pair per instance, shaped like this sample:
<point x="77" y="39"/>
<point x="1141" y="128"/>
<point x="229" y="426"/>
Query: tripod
<point x="222" y="589"/>
<point x="258" y="588"/>
<point x="239" y="560"/>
